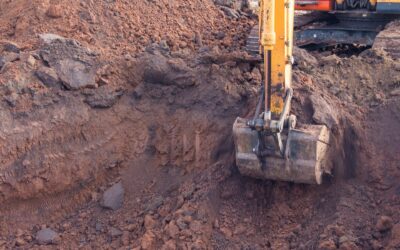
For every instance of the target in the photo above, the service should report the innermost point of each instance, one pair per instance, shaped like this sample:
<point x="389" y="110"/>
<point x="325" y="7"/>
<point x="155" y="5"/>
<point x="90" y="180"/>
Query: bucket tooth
<point x="304" y="159"/>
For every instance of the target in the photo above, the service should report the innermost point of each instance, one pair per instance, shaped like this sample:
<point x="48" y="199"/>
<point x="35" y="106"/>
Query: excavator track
<point x="389" y="39"/>
<point x="350" y="30"/>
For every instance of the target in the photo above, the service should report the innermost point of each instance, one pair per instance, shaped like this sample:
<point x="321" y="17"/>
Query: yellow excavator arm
<point x="276" y="33"/>
<point x="268" y="146"/>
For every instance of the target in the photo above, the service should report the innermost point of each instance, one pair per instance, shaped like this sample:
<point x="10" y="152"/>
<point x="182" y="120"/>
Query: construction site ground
<point x="116" y="133"/>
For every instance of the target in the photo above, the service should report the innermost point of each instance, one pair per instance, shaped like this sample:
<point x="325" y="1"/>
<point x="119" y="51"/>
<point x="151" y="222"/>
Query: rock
<point x="394" y="242"/>
<point x="323" y="112"/>
<point x="54" y="11"/>
<point x="226" y="231"/>
<point x="230" y="12"/>
<point x="48" y="38"/>
<point x="31" y="61"/>
<point x="395" y="92"/>
<point x="348" y="245"/>
<point x="11" y="47"/>
<point x="99" y="226"/>
<point x="376" y="245"/>
<point x="234" y="4"/>
<point x="328" y="244"/>
<point x="227" y="193"/>
<point x="180" y="222"/>
<point x="304" y="59"/>
<point x="113" y="197"/>
<point x="20" y="242"/>
<point x="8" y="57"/>
<point x="171" y="229"/>
<point x="384" y="224"/>
<point x="75" y="75"/>
<point x="149" y="222"/>
<point x="240" y="229"/>
<point x="115" y="232"/>
<point x="102" y="97"/>
<point x="48" y="77"/>
<point x="47" y="236"/>
<point x="159" y="70"/>
<point x="148" y="240"/>
<point x="2" y="62"/>
<point x="198" y="39"/>
<point x="125" y="238"/>
<point x="256" y="75"/>
<point x="196" y="226"/>
<point x="155" y="203"/>
<point x="76" y="66"/>
<point x="330" y="60"/>
<point x="12" y="99"/>
<point x="169" y="245"/>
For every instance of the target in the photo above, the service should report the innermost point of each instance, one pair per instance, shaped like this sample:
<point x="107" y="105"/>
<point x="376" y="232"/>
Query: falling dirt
<point x="144" y="94"/>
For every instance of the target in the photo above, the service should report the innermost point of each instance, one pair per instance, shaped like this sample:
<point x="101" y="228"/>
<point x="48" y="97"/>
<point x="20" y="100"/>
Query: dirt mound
<point x="143" y="95"/>
<point x="122" y="28"/>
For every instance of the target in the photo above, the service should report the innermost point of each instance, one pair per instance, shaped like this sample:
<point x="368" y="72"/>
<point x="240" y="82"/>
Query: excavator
<point x="323" y="23"/>
<point x="270" y="145"/>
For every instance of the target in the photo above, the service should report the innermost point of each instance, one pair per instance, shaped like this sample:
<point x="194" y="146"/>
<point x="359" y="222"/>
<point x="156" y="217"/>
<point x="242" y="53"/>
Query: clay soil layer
<point x="116" y="132"/>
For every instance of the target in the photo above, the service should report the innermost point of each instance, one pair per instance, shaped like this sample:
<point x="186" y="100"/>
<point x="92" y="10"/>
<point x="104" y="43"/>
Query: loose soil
<point x="145" y="94"/>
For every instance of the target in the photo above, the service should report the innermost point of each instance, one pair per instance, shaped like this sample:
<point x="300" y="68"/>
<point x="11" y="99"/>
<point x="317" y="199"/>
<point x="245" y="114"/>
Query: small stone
<point x="31" y="61"/>
<point x="181" y="223"/>
<point x="148" y="240"/>
<point x="125" y="238"/>
<point x="48" y="38"/>
<point x="11" y="47"/>
<point x="155" y="203"/>
<point x="327" y="245"/>
<point x="375" y="245"/>
<point x="149" y="222"/>
<point x="198" y="39"/>
<point x="48" y="77"/>
<point x="47" y="236"/>
<point x="323" y="112"/>
<point x="99" y="227"/>
<point x="395" y="92"/>
<point x="172" y="229"/>
<point x="226" y="231"/>
<point x="54" y="11"/>
<point x="7" y="58"/>
<point x="20" y="242"/>
<point x="113" y="197"/>
<point x="240" y="229"/>
<point x="348" y="245"/>
<point x="384" y="224"/>
<point x="343" y="239"/>
<point x="103" y="97"/>
<point x="169" y="245"/>
<point x="115" y="232"/>
<point x="19" y="232"/>
<point x="394" y="242"/>
<point x="75" y="74"/>
<point x="216" y="224"/>
<point x="12" y="99"/>
<point x="196" y="226"/>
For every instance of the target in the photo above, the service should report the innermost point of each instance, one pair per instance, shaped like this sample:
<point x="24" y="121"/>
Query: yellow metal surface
<point x="277" y="36"/>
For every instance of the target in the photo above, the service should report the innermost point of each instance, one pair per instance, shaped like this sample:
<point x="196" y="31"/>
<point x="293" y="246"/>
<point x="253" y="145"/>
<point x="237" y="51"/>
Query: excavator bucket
<point x="303" y="159"/>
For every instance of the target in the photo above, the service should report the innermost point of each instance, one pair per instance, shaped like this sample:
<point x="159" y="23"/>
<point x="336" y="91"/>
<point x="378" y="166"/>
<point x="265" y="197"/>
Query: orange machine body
<point x="321" y="5"/>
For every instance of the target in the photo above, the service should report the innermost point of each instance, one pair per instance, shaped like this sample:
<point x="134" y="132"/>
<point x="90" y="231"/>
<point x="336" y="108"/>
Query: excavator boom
<point x="269" y="146"/>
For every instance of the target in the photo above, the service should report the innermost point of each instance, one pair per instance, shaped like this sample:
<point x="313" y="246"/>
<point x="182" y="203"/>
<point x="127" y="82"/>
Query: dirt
<point x="144" y="94"/>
